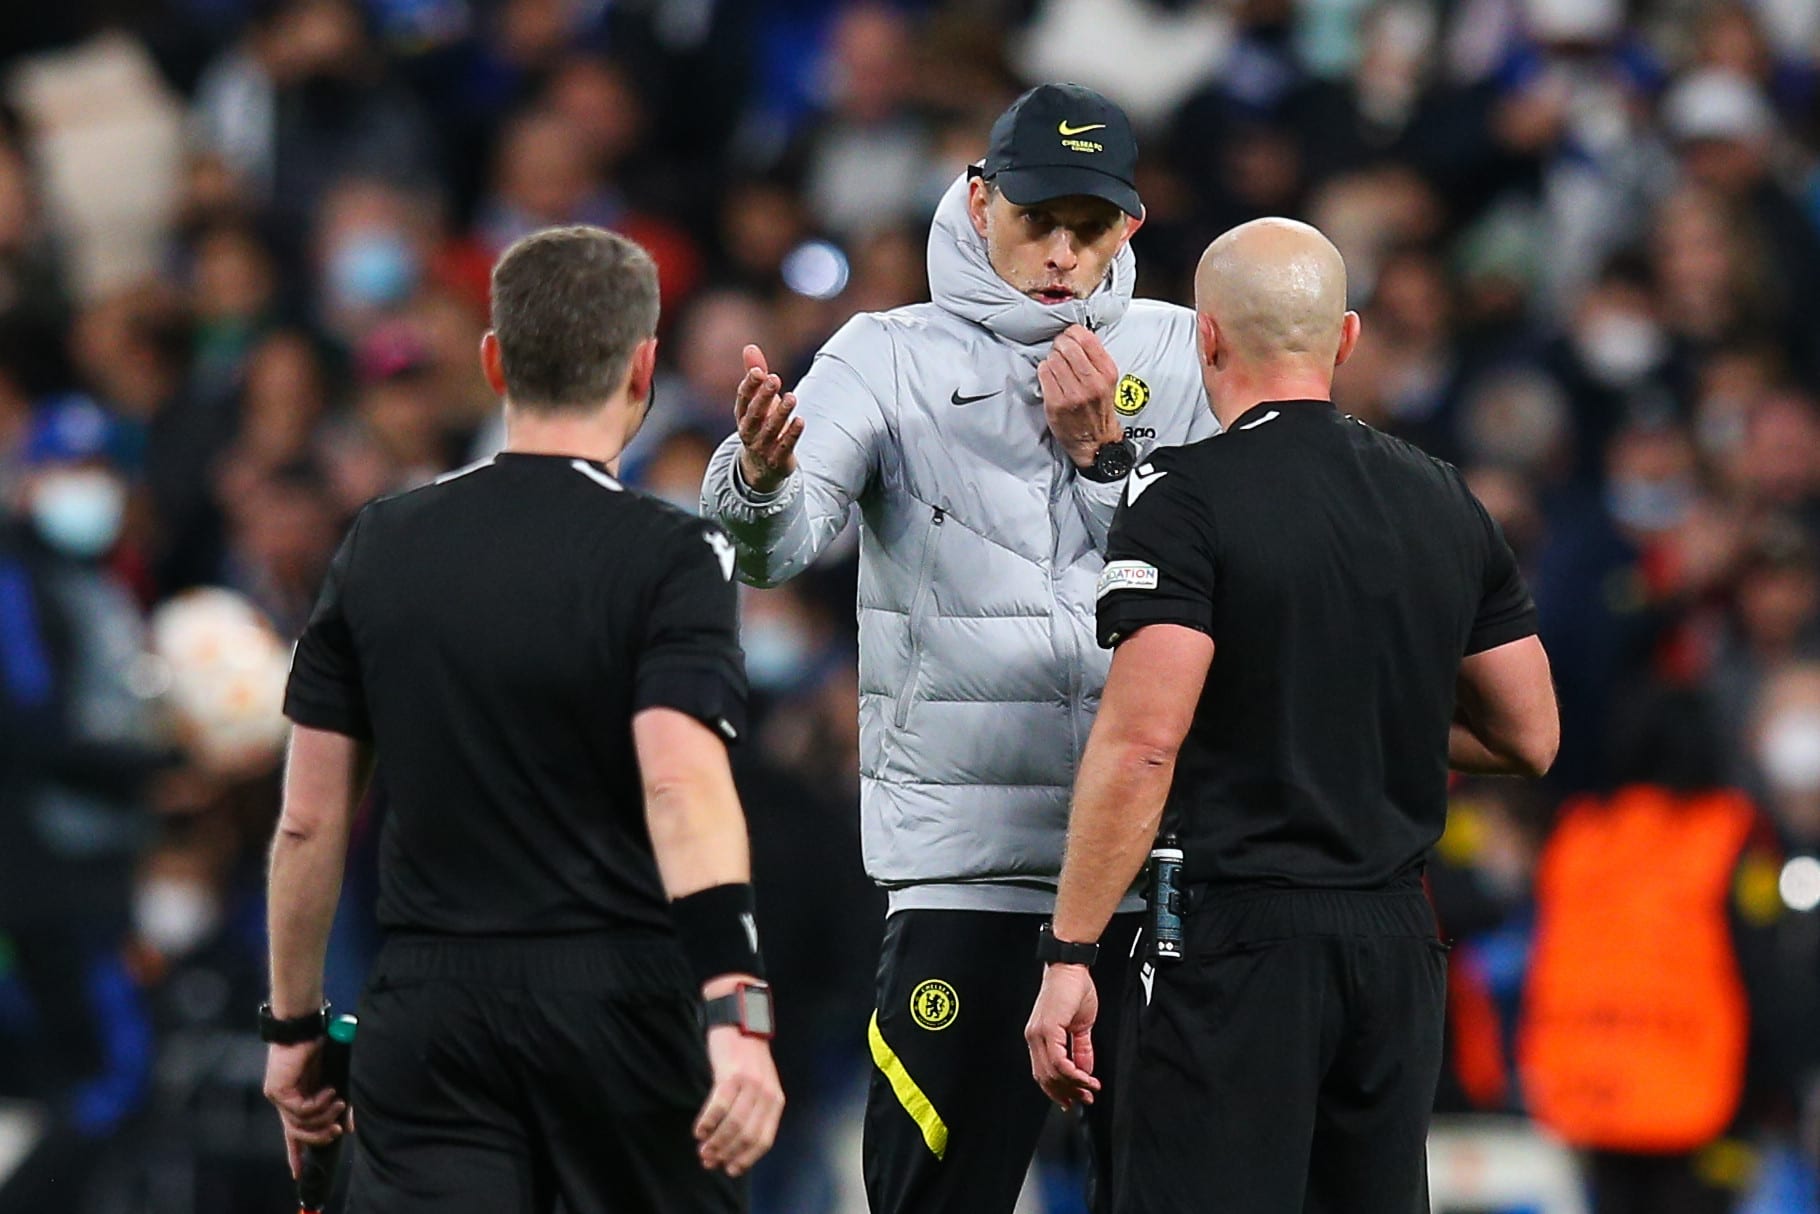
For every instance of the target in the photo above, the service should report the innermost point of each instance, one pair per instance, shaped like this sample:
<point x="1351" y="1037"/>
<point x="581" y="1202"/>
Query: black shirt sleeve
<point x="1160" y="566"/>
<point x="325" y="689"/>
<point x="690" y="658"/>
<point x="1506" y="612"/>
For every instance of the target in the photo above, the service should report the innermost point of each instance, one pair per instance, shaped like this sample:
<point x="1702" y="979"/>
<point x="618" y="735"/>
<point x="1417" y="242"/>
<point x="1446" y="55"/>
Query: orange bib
<point x="1635" y="1021"/>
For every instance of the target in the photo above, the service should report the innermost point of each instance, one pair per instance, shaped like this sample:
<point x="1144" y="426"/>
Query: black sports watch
<point x="1112" y="462"/>
<point x="294" y="1030"/>
<point x="746" y="1007"/>
<point x="1051" y="951"/>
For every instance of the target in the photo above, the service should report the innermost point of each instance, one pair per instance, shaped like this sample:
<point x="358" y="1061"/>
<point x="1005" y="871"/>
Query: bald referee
<point x="1313" y="621"/>
<point x="569" y="1007"/>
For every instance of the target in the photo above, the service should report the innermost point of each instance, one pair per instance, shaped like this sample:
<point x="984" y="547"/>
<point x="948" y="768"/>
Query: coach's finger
<point x="758" y="407"/>
<point x="1071" y="352"/>
<point x="742" y="395"/>
<point x="776" y="418"/>
<point x="1096" y="351"/>
<point x="786" y="442"/>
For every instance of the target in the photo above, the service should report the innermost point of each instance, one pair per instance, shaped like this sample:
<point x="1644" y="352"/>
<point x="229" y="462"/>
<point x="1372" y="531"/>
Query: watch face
<point x="755" y="1009"/>
<point x="1114" y="460"/>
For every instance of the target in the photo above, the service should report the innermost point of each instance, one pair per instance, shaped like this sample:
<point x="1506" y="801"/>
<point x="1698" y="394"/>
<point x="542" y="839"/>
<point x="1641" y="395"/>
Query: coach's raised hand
<point x="767" y="432"/>
<point x="1079" y="382"/>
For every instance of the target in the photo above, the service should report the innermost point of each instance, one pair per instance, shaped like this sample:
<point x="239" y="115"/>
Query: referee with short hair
<point x="1313" y="620"/>
<point x="548" y="670"/>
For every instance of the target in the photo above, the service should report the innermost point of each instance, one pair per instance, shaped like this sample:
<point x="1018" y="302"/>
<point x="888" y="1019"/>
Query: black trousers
<point x="1288" y="1062"/>
<point x="505" y="1077"/>
<point x="953" y="1115"/>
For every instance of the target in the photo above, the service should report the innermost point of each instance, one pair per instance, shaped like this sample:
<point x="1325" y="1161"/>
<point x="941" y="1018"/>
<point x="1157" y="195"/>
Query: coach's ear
<point x="1350" y="327"/>
<point x="492" y="363"/>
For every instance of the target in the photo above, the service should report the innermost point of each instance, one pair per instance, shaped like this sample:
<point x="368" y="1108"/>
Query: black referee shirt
<point x="493" y="635"/>
<point x="1343" y="575"/>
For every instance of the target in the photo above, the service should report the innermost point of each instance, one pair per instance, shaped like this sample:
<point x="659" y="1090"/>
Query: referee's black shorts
<point x="504" y="1076"/>
<point x="1288" y="1062"/>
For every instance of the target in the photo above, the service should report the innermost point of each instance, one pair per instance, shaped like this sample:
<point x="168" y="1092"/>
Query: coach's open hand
<point x="1060" y="1035"/>
<point x="767" y="432"/>
<point x="739" y="1121"/>
<point x="312" y="1114"/>
<point x="1080" y="382"/>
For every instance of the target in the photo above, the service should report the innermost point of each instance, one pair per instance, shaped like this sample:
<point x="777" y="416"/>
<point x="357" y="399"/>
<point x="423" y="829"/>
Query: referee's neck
<point x="598" y="434"/>
<point x="1232" y="400"/>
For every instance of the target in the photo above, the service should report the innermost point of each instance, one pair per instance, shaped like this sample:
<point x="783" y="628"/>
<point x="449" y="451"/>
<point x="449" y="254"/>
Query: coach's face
<point x="1052" y="251"/>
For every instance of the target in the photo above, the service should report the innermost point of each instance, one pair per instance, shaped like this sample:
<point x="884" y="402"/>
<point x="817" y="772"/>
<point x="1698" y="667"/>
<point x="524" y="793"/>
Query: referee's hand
<point x="313" y="1115"/>
<point x="1060" y="1035"/>
<point x="739" y="1121"/>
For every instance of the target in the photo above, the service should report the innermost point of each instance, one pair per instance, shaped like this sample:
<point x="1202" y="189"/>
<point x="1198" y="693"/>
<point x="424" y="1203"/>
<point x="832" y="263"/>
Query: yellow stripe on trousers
<point x="935" y="1130"/>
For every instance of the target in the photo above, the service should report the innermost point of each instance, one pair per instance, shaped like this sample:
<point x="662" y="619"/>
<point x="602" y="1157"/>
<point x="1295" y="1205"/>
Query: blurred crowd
<point x="243" y="257"/>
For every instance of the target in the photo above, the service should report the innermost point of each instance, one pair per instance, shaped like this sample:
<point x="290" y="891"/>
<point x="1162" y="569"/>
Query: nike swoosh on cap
<point x="1065" y="129"/>
<point x="957" y="399"/>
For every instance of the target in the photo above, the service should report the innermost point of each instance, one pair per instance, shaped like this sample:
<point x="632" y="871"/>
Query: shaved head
<point x="1275" y="288"/>
<point x="1273" y="324"/>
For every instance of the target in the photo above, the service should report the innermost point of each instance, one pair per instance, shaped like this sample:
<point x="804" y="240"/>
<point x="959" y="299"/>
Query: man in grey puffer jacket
<point x="985" y="438"/>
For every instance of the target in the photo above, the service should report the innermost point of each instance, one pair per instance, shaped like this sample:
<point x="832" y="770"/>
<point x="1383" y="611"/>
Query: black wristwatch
<point x="747" y="1007"/>
<point x="293" y="1031"/>
<point x="1051" y="951"/>
<point x="1112" y="462"/>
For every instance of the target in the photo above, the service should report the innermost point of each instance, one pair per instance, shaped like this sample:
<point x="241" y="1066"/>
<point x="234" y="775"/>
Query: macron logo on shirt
<point x="1141" y="478"/>
<point x="723" y="549"/>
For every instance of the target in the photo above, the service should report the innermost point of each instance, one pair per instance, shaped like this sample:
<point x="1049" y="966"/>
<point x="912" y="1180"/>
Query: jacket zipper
<point x="924" y="584"/>
<point x="1070" y="647"/>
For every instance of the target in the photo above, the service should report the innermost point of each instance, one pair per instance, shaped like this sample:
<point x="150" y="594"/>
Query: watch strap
<point x="729" y="1010"/>
<point x="1052" y="951"/>
<point x="292" y="1030"/>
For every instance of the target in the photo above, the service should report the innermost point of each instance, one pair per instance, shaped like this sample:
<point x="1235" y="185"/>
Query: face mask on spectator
<point x="175" y="915"/>
<point x="79" y="512"/>
<point x="1649" y="505"/>
<point x="776" y="650"/>
<point x="1620" y="348"/>
<point x="1790" y="751"/>
<point x="373" y="269"/>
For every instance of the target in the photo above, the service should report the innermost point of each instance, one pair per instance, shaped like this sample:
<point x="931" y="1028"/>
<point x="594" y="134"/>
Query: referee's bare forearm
<point x="323" y="778"/>
<point x="1156" y="680"/>
<point x="1118" y="802"/>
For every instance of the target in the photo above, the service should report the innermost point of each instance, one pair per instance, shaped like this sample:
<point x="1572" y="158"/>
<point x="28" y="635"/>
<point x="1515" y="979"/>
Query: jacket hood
<point x="962" y="281"/>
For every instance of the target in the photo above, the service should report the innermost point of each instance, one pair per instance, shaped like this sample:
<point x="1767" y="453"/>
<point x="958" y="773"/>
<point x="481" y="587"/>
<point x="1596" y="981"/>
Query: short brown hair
<point x="569" y="307"/>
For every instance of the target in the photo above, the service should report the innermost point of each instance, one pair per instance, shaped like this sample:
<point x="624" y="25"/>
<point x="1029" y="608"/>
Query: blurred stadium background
<point x="243" y="254"/>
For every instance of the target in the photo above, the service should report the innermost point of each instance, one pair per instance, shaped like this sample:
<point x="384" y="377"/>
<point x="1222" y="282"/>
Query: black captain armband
<point x="718" y="927"/>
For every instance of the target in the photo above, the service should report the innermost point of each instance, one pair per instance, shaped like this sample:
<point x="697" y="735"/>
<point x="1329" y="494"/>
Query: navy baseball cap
<point x="1063" y="139"/>
<point x="68" y="429"/>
